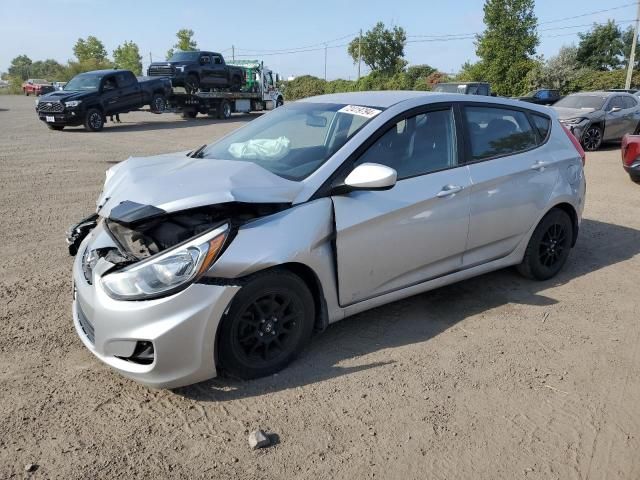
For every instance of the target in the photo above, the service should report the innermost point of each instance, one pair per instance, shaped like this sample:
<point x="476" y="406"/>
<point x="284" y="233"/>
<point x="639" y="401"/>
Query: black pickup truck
<point x="195" y="70"/>
<point x="89" y="97"/>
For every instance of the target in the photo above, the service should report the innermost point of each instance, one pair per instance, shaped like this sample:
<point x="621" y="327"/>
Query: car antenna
<point x="197" y="153"/>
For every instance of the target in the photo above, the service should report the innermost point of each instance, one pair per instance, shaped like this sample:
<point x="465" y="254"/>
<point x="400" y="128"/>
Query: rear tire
<point x="55" y="127"/>
<point x="158" y="103"/>
<point x="269" y="323"/>
<point x="279" y="102"/>
<point x="224" y="110"/>
<point x="94" y="120"/>
<point x="26" y="92"/>
<point x="548" y="247"/>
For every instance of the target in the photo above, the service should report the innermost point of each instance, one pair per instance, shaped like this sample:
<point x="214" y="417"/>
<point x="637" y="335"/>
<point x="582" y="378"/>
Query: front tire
<point x="94" y="120"/>
<point x="592" y="138"/>
<point x="549" y="246"/>
<point x="269" y="323"/>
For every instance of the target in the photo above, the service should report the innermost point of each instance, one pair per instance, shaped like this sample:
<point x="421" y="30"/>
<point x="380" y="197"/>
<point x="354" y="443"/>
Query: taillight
<point x="630" y="149"/>
<point x="576" y="144"/>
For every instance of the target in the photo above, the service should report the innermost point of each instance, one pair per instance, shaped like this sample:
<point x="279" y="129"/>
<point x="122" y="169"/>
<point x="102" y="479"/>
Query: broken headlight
<point x="169" y="271"/>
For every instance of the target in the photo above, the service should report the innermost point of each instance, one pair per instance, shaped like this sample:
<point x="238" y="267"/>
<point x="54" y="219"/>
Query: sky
<point x="438" y="31"/>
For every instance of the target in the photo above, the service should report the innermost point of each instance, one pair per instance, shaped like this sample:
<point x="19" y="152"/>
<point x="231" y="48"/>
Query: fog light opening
<point x="143" y="354"/>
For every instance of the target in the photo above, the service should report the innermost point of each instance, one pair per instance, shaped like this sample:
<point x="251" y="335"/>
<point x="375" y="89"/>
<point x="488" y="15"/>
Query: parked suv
<point x="195" y="70"/>
<point x="227" y="258"/>
<point x="598" y="117"/>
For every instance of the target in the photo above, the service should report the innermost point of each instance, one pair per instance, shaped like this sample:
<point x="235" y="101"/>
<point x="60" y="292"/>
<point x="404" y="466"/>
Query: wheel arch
<point x="573" y="215"/>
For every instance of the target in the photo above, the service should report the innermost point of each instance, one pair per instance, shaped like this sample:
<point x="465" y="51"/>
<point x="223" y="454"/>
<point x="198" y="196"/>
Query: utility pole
<point x="359" y="52"/>
<point x="325" y="61"/>
<point x="150" y="58"/>
<point x="632" y="57"/>
<point x="233" y="53"/>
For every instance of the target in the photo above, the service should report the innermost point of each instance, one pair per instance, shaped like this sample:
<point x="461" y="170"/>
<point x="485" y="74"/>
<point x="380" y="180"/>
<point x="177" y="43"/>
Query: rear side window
<point x="543" y="124"/>
<point x="498" y="131"/>
<point x="125" y="79"/>
<point x="630" y="102"/>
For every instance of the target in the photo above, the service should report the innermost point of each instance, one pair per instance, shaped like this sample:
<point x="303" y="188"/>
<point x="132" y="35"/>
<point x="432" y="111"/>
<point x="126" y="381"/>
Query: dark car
<point x="466" y="88"/>
<point x="89" y="97"/>
<point x="195" y="70"/>
<point x="542" y="96"/>
<point x="597" y="117"/>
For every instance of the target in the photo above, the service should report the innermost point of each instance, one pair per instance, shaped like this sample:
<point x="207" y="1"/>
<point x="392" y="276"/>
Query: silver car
<point x="598" y="117"/>
<point x="229" y="257"/>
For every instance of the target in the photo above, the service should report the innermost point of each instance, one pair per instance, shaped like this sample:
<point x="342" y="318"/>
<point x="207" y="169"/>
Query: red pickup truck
<point x="36" y="86"/>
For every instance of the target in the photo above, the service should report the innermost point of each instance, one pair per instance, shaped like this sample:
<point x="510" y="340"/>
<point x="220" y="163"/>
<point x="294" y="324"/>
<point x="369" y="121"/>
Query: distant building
<point x="290" y="78"/>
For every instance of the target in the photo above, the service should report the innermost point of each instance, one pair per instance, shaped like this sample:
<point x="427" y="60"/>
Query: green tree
<point x="627" y="39"/>
<point x="90" y="49"/>
<point x="185" y="42"/>
<point x="417" y="76"/>
<point x="127" y="56"/>
<point x="471" y="72"/>
<point x="20" y="67"/>
<point x="508" y="44"/>
<point x="559" y="71"/>
<point x="48" y="69"/>
<point x="382" y="49"/>
<point x="601" y="48"/>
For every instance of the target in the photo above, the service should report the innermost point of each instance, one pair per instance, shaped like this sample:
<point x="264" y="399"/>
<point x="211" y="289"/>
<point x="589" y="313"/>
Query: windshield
<point x="185" y="57"/>
<point x="594" y="102"/>
<point x="84" y="82"/>
<point x="295" y="140"/>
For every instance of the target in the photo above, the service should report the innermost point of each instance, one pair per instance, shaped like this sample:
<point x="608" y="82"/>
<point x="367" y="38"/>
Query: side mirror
<point x="368" y="176"/>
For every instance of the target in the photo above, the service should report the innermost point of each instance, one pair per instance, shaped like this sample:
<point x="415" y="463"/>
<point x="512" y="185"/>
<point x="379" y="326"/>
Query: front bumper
<point x="66" y="118"/>
<point x="182" y="328"/>
<point x="633" y="170"/>
<point x="577" y="129"/>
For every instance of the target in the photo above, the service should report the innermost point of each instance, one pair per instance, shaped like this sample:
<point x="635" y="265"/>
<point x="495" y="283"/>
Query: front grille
<point x="50" y="107"/>
<point x="160" y="71"/>
<point x="85" y="324"/>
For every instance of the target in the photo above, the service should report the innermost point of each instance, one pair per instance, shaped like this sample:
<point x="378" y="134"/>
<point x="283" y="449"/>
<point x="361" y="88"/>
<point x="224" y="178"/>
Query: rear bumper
<point x="633" y="170"/>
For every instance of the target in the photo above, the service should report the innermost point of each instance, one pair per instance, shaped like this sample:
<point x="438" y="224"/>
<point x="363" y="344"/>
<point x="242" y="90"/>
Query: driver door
<point x="111" y="94"/>
<point x="417" y="230"/>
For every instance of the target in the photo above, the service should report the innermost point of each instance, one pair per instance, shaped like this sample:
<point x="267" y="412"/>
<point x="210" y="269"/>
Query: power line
<point x="306" y="47"/>
<point x="589" y="14"/>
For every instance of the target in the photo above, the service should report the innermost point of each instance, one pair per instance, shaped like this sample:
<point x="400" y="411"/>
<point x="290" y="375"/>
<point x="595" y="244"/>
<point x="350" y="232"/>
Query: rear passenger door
<point x="513" y="177"/>
<point x="416" y="231"/>
<point x="130" y="96"/>
<point x="219" y="71"/>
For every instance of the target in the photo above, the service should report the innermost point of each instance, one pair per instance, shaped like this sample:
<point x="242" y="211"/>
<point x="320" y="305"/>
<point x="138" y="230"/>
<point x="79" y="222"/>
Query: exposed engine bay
<point x="143" y="230"/>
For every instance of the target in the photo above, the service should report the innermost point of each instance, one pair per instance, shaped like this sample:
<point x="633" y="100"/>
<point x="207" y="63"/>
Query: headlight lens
<point x="168" y="271"/>
<point x="574" y="121"/>
<point x="72" y="103"/>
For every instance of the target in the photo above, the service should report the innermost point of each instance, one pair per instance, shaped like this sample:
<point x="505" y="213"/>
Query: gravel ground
<point x="495" y="377"/>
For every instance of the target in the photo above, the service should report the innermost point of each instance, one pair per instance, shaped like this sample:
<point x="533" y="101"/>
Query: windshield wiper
<point x="198" y="153"/>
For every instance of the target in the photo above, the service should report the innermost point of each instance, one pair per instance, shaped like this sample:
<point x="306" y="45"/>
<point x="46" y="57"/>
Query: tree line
<point x="90" y="54"/>
<point x="507" y="58"/>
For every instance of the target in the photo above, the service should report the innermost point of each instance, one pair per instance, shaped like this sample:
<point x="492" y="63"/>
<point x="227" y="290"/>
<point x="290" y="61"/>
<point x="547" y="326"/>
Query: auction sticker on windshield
<point x="358" y="110"/>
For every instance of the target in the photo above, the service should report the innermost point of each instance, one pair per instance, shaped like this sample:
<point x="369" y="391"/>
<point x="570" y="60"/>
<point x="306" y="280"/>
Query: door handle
<point x="539" y="165"/>
<point x="448" y="190"/>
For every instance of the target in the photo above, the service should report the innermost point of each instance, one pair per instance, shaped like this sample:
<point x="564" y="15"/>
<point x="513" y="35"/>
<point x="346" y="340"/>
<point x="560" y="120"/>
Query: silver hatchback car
<point x="227" y="258"/>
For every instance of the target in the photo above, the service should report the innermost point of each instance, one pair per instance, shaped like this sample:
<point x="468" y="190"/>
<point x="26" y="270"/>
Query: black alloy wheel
<point x="592" y="138"/>
<point x="268" y="324"/>
<point x="549" y="246"/>
<point x="94" y="121"/>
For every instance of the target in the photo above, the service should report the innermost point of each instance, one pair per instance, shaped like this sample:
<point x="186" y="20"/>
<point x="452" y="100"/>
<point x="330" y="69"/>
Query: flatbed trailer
<point x="260" y="93"/>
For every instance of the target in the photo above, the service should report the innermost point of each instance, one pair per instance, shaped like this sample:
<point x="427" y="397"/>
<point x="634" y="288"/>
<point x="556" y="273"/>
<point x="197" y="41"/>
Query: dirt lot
<point x="496" y="377"/>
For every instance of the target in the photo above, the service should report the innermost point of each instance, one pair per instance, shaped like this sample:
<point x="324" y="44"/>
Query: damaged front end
<point x="157" y="253"/>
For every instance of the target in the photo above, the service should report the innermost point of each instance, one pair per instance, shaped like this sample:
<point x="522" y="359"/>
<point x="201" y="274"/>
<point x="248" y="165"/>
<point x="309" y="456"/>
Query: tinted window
<point x="543" y="124"/>
<point x="125" y="79"/>
<point x="205" y="59"/>
<point x="630" y="102"/>
<point x="416" y="145"/>
<point x="543" y="94"/>
<point x="217" y="60"/>
<point x="109" y="83"/>
<point x="616" y="102"/>
<point x="498" y="131"/>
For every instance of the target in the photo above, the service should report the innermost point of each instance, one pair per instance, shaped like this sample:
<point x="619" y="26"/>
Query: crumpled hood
<point x="175" y="182"/>
<point x="565" y="113"/>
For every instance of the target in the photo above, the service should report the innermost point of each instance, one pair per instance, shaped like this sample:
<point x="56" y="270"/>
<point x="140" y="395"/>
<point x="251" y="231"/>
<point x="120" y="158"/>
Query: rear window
<point x="543" y="124"/>
<point x="495" y="132"/>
